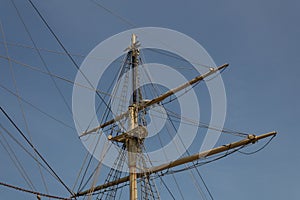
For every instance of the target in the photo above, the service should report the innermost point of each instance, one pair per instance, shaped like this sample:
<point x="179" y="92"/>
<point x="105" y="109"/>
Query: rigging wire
<point x="80" y="187"/>
<point x="155" y="92"/>
<point x="99" y="165"/>
<point x="206" y="125"/>
<point x="51" y="51"/>
<point x="166" y="186"/>
<point x="24" y="149"/>
<point x="165" y="155"/>
<point x="36" y="108"/>
<point x="188" y="153"/>
<point x="55" y="76"/>
<point x="243" y="134"/>
<point x="80" y="171"/>
<point x="126" y="21"/>
<point x="204" y="183"/>
<point x="70" y="57"/>
<point x="114" y="174"/>
<point x="67" y="52"/>
<point x="133" y="25"/>
<point x="197" y="184"/>
<point x="168" y="54"/>
<point x="17" y="91"/>
<point x="104" y="117"/>
<point x="176" y="182"/>
<point x="111" y="95"/>
<point x="72" y="60"/>
<point x="192" y="122"/>
<point x="160" y="177"/>
<point x="13" y="157"/>
<point x="85" y="56"/>
<point x="32" y="192"/>
<point x="169" y="119"/>
<point x="148" y="182"/>
<point x="34" y="149"/>
<point x="261" y="148"/>
<point x="41" y="57"/>
<point x="82" y="166"/>
<point x="53" y="117"/>
<point x="199" y="124"/>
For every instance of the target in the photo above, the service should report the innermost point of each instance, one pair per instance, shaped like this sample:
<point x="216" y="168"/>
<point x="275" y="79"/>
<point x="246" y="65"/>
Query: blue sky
<point x="260" y="40"/>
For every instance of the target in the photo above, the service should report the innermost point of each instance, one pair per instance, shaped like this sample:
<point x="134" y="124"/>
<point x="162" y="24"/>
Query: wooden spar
<point x="181" y="87"/>
<point x="117" y="118"/>
<point x="181" y="161"/>
<point x="250" y="139"/>
<point x="160" y="98"/>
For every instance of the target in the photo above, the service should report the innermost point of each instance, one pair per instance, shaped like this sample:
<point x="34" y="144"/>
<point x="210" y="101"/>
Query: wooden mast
<point x="132" y="143"/>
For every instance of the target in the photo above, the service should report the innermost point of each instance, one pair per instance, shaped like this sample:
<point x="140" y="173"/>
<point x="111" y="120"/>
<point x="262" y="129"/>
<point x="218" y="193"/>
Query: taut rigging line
<point x="33" y="192"/>
<point x="35" y="150"/>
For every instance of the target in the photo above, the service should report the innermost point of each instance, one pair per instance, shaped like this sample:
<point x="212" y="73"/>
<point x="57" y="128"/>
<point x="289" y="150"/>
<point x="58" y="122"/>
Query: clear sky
<point x="259" y="39"/>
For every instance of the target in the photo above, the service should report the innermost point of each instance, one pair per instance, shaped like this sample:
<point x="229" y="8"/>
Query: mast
<point x="133" y="138"/>
<point x="132" y="143"/>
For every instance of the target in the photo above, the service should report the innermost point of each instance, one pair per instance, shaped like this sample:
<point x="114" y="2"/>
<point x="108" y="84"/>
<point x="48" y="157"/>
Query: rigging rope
<point x="67" y="52"/>
<point x="75" y="64"/>
<point x="17" y="91"/>
<point x="53" y="80"/>
<point x="99" y="165"/>
<point x="114" y="174"/>
<point x="206" y="125"/>
<point x="188" y="153"/>
<point x="113" y="13"/>
<point x="261" y="148"/>
<point x="34" y="149"/>
<point x="165" y="155"/>
<point x="155" y="92"/>
<point x="178" y="58"/>
<point x="41" y="57"/>
<point x="55" y="76"/>
<point x="166" y="186"/>
<point x="169" y="119"/>
<point x="22" y="146"/>
<point x="104" y="117"/>
<point x="133" y="25"/>
<point x="50" y="50"/>
<point x="13" y="157"/>
<point x="35" y="107"/>
<point x="32" y="192"/>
